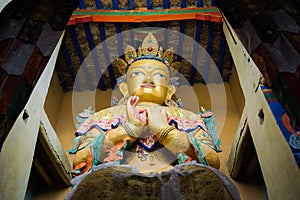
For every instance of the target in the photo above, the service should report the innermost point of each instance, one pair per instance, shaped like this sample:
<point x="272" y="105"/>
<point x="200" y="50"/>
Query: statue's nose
<point x="148" y="79"/>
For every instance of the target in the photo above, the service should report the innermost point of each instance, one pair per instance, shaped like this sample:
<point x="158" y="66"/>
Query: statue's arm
<point x="173" y="139"/>
<point x="83" y="159"/>
<point x="94" y="146"/>
<point x="202" y="139"/>
<point x="116" y="136"/>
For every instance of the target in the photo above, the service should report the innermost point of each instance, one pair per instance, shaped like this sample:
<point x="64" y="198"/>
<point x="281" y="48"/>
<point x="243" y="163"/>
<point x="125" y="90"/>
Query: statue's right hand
<point x="134" y="116"/>
<point x="136" y="119"/>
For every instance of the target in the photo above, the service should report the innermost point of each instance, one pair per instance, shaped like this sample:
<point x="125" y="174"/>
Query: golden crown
<point x="148" y="50"/>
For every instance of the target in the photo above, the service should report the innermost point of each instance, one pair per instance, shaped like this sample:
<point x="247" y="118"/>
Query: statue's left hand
<point x="157" y="118"/>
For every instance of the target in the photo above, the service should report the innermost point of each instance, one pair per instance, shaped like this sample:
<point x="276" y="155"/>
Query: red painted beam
<point x="137" y="16"/>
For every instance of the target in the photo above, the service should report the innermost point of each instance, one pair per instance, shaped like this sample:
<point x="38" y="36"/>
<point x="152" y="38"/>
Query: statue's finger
<point x="135" y="101"/>
<point x="143" y="117"/>
<point x="149" y="114"/>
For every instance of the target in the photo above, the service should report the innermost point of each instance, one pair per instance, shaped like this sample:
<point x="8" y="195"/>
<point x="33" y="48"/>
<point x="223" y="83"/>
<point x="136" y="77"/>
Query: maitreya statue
<point x="147" y="129"/>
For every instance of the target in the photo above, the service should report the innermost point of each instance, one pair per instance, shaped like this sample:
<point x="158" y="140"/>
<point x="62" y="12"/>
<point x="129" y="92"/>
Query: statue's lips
<point x="148" y="86"/>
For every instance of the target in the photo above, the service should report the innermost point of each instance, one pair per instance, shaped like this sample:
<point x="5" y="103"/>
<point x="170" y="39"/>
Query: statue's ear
<point x="123" y="89"/>
<point x="171" y="91"/>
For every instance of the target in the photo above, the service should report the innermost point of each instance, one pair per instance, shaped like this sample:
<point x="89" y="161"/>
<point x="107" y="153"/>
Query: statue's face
<point x="148" y="79"/>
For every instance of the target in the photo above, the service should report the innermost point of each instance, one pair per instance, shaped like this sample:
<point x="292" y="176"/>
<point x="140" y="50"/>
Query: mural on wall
<point x="29" y="33"/>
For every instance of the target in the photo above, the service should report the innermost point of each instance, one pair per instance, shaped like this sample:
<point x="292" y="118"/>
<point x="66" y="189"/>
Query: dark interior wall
<point x="270" y="32"/>
<point x="29" y="31"/>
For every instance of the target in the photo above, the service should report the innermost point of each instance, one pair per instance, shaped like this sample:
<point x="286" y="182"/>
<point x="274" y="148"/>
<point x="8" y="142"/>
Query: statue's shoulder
<point x="185" y="120"/>
<point x="104" y="119"/>
<point x="111" y="112"/>
<point x="182" y="114"/>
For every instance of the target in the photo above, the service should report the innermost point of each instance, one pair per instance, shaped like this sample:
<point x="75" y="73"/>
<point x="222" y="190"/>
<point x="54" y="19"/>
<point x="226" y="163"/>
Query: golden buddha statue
<point x="147" y="129"/>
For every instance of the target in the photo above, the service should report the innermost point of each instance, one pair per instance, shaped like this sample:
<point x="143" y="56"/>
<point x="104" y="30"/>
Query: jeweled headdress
<point x="149" y="50"/>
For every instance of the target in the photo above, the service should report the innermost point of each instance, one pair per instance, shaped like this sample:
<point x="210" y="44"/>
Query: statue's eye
<point x="159" y="75"/>
<point x="136" y="74"/>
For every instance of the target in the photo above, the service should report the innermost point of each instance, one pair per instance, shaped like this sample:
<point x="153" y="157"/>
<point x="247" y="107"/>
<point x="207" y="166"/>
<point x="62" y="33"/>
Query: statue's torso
<point x="146" y="153"/>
